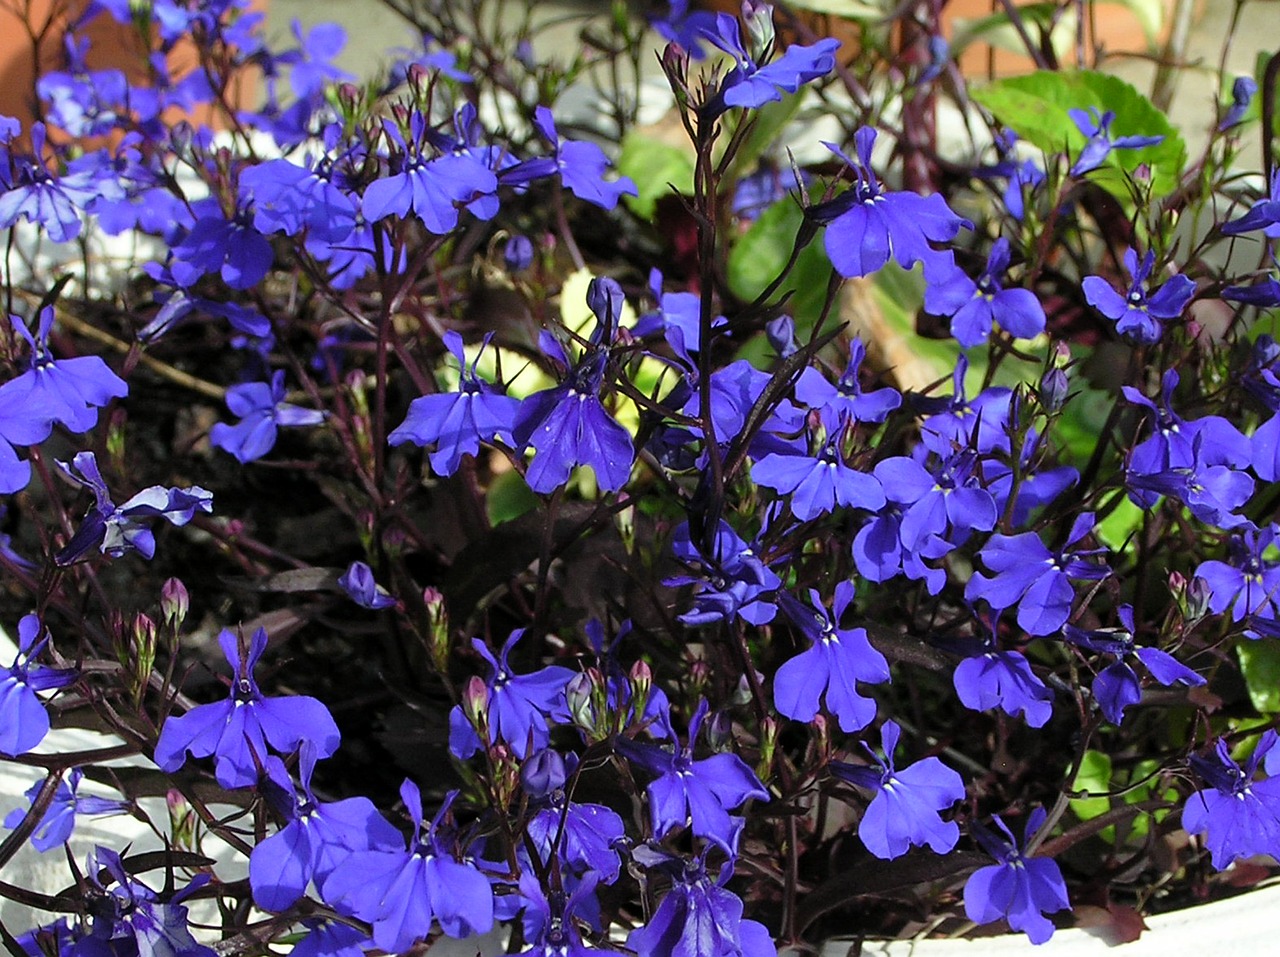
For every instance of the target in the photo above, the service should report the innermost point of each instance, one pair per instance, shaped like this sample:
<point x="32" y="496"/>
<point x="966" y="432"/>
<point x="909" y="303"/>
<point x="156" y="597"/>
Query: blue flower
<point x="975" y="305"/>
<point x="731" y="581"/>
<point x="698" y="917"/>
<point x="1116" y="687"/>
<point x="59" y="820"/>
<point x="117" y="529"/>
<point x="1097" y="127"/>
<point x="23" y="719"/>
<point x="866" y="225"/>
<point x="231" y="246"/>
<point x="1003" y="679"/>
<point x="262" y="409"/>
<point x="1139" y="315"/>
<point x="832" y="665"/>
<point x="550" y="923"/>
<point x="401" y="892"/>
<point x="904" y="811"/>
<point x="588" y="834"/>
<point x="948" y="496"/>
<point x="517" y="705"/>
<point x="1021" y="888"/>
<point x="236" y="731"/>
<point x="1238" y="816"/>
<point x="1264" y="214"/>
<point x="749" y="84"/>
<point x="1242" y="92"/>
<point x="818" y="484"/>
<point x="289" y="198"/>
<point x="54" y="202"/>
<point x="358" y="582"/>
<point x="1036" y="579"/>
<point x="317" y="838"/>
<point x="581" y="166"/>
<point x="1247" y="583"/>
<point x="695" y="793"/>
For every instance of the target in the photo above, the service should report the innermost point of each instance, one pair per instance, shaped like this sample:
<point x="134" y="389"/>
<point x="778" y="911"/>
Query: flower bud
<point x="1053" y="390"/>
<point x="577" y="694"/>
<point x="1198" y="594"/>
<point x="543" y="773"/>
<point x="768" y="746"/>
<point x="144" y="654"/>
<point x="781" y="333"/>
<point x="517" y="255"/>
<point x="641" y="680"/>
<point x="437" y="628"/>
<point x="475" y="705"/>
<point x="758" y="17"/>
<point x="699" y="676"/>
<point x="174" y="603"/>
<point x="719" y="731"/>
<point x="182" y="820"/>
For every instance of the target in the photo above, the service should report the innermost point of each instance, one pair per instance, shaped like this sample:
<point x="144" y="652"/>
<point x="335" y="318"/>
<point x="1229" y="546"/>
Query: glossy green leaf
<point x="508" y="498"/>
<point x="763" y="251"/>
<point x="1260" y="664"/>
<point x="655" y="167"/>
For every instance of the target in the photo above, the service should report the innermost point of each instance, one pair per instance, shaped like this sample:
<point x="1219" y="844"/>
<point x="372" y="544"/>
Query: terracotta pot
<point x="31" y="44"/>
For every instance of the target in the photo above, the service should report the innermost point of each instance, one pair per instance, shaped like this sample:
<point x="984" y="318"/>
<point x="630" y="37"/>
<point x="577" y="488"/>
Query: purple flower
<point x="698" y="917"/>
<point x="831" y="667"/>
<point x="517" y="254"/>
<point x="60" y="816"/>
<point x="317" y="838"/>
<point x="23" y="719"/>
<point x="1034" y="578"/>
<point x="866" y="225"/>
<point x="1139" y="315"/>
<point x="262" y="409"/>
<point x="289" y="198"/>
<point x="232" y="247"/>
<point x="1242" y="92"/>
<point x="695" y="793"/>
<point x="905" y="810"/>
<point x="55" y="203"/>
<point x="456" y="423"/>
<point x="581" y="166"/>
<point x="66" y="392"/>
<point x="1239" y="817"/>
<point x="731" y="581"/>
<point x="1116" y="687"/>
<point x="1021" y="888"/>
<point x="816" y="485"/>
<point x="588" y="834"/>
<point x="401" y="892"/>
<point x="1247" y="583"/>
<point x="1097" y="127"/>
<point x="1004" y="680"/>
<point x="551" y="923"/>
<point x="358" y="582"/>
<point x="518" y="705"/>
<point x="975" y="306"/>
<point x="117" y="529"/>
<point x="947" y="496"/>
<point x="957" y="422"/>
<point x="312" y="62"/>
<point x="236" y="731"/>
<point x="687" y="29"/>
<point x="1264" y="214"/>
<point x="749" y="84"/>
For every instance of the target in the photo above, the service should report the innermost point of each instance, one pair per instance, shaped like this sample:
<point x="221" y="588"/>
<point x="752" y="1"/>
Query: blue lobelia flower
<point x="331" y="939"/>
<point x="568" y="426"/>
<point x="831" y="667"/>
<point x="946" y="501"/>
<point x="289" y="198"/>
<point x="59" y="819"/>
<point x="228" y="245"/>
<point x="517" y="706"/>
<point x="262" y="409"/>
<point x="54" y="202"/>
<point x="1239" y="817"/>
<point x="1037" y="580"/>
<point x="957" y="422"/>
<point x="317" y="838"/>
<point x="23" y="719"/>
<point x="359" y="584"/>
<point x="698" y="917"/>
<point x="1242" y="92"/>
<point x="51" y="391"/>
<point x="1021" y="888"/>
<point x="128" y="917"/>
<point x="456" y="423"/>
<point x="401" y="892"/>
<point x="1264" y="214"/>
<point x="588" y="835"/>
<point x="550" y="922"/>
<point x="905" y="810"/>
<point x="1097" y="127"/>
<point x="992" y="678"/>
<point x="750" y="84"/>
<point x="730" y="582"/>
<point x="1116" y="687"/>
<point x="879" y="553"/>
<point x="697" y="794"/>
<point x="845" y="398"/>
<point x="117" y="529"/>
<point x="237" y="731"/>
<point x="1247" y="583"/>
<point x="432" y="187"/>
<point x="974" y="306"/>
<point x="312" y="62"/>
<point x="817" y="484"/>
<point x="866" y="224"/>
<point x="1139" y="315"/>
<point x="581" y="166"/>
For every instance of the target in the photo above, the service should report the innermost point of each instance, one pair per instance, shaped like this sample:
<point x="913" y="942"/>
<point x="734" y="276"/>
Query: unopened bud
<point x="543" y="773"/>
<point x="578" y="695"/>
<point x="174" y="602"/>
<point x="768" y="746"/>
<point x="1198" y="594"/>
<point x="758" y="17"/>
<point x="641" y="679"/>
<point x="437" y="628"/>
<point x="182" y="820"/>
<point x="475" y="706"/>
<point x="699" y="676"/>
<point x="719" y="730"/>
<point x="1053" y="390"/>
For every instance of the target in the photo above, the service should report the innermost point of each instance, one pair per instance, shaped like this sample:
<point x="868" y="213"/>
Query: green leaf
<point x="1094" y="776"/>
<point x="1115" y="530"/>
<point x="1035" y="107"/>
<point x="1260" y="664"/>
<point x="763" y="251"/>
<point x="655" y="167"/>
<point x="508" y="498"/>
